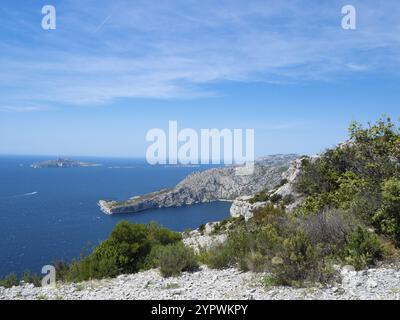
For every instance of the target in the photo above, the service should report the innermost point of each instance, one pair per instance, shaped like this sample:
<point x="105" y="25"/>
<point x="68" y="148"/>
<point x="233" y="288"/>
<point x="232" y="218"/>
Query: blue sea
<point x="51" y="214"/>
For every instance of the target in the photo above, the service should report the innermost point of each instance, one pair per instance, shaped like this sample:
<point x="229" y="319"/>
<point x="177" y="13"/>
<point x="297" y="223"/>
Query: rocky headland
<point x="209" y="185"/>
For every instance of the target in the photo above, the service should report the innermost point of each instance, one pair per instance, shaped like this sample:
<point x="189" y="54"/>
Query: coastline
<point x="216" y="184"/>
<point x="106" y="209"/>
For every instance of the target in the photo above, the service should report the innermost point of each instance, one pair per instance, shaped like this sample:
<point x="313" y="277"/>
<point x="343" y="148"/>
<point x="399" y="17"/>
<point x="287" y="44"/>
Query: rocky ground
<point x="380" y="283"/>
<point x="207" y="284"/>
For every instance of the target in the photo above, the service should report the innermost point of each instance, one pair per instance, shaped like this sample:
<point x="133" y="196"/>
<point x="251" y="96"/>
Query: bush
<point x="129" y="249"/>
<point x="239" y="243"/>
<point x="275" y="198"/>
<point x="283" y="182"/>
<point x="253" y="261"/>
<point x="217" y="257"/>
<point x="62" y="269"/>
<point x="33" y="278"/>
<point x="27" y="277"/>
<point x="267" y="214"/>
<point x="259" y="197"/>
<point x="387" y="218"/>
<point x="288" y="199"/>
<point x="9" y="281"/>
<point x="275" y="242"/>
<point x="361" y="176"/>
<point x="330" y="228"/>
<point x="296" y="250"/>
<point x="175" y="258"/>
<point x="160" y="235"/>
<point x="92" y="267"/>
<point x="298" y="262"/>
<point x="202" y="228"/>
<point x="125" y="250"/>
<point x="363" y="249"/>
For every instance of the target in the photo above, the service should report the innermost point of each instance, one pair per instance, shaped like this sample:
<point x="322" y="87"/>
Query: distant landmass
<point x="62" y="163"/>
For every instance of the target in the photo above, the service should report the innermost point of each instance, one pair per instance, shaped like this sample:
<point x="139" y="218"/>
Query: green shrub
<point x="62" y="270"/>
<point x="296" y="251"/>
<point x="92" y="267"/>
<point x="362" y="177"/>
<point x="363" y="249"/>
<point x="26" y="277"/>
<point x="9" y="281"/>
<point x="283" y="182"/>
<point x="275" y="242"/>
<point x="288" y="199"/>
<point x="126" y="248"/>
<point x="275" y="198"/>
<point x="259" y="197"/>
<point x="225" y="225"/>
<point x="267" y="214"/>
<point x="240" y="242"/>
<point x="218" y="228"/>
<point x="253" y="261"/>
<point x="175" y="258"/>
<point x="270" y="281"/>
<point x="202" y="228"/>
<point x="387" y="218"/>
<point x="298" y="262"/>
<point x="161" y="235"/>
<point x="217" y="257"/>
<point x="33" y="278"/>
<point x="129" y="248"/>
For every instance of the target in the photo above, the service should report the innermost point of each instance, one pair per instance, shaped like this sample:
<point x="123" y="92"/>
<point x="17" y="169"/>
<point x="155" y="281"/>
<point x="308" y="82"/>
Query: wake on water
<point x="26" y="194"/>
<point x="20" y="195"/>
<point x="30" y="193"/>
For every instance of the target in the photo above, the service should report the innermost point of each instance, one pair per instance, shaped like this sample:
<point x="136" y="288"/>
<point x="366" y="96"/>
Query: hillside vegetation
<point x="350" y="216"/>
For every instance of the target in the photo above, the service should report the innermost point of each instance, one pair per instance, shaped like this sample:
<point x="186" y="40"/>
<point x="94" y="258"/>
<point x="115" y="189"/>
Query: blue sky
<point x="112" y="70"/>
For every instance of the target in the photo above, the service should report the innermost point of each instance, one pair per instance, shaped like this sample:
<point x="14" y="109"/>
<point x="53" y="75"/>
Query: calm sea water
<point x="52" y="214"/>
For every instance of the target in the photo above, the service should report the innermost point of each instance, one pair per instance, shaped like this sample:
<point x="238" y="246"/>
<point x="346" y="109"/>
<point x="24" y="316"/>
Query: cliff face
<point x="209" y="185"/>
<point x="242" y="207"/>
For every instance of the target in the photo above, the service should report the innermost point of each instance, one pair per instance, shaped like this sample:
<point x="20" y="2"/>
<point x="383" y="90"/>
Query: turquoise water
<point x="50" y="214"/>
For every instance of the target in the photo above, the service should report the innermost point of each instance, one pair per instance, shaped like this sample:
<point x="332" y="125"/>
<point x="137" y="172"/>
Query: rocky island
<point x="216" y="184"/>
<point x="62" y="163"/>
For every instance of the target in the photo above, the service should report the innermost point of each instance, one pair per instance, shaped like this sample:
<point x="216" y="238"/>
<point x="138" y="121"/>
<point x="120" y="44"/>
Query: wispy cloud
<point x="24" y="108"/>
<point x="178" y="49"/>
<point x="357" y="67"/>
